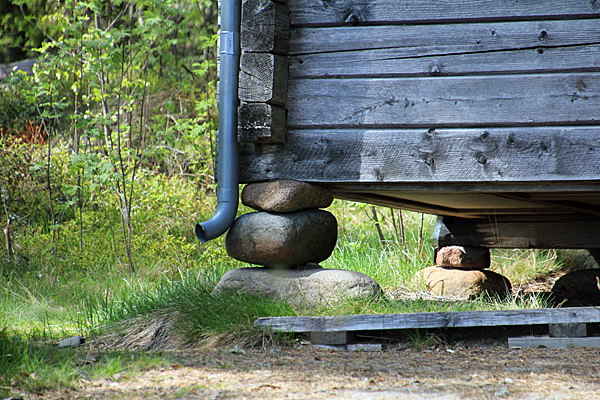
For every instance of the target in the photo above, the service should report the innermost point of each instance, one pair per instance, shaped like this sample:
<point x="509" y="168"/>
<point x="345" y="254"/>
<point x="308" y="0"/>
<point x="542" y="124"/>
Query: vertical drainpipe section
<point x="227" y="146"/>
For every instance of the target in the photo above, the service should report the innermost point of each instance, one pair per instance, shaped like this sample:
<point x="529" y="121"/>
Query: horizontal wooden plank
<point x="528" y="155"/>
<point x="455" y="319"/>
<point x="552" y="342"/>
<point x="545" y="190"/>
<point x="385" y="63"/>
<point x="340" y="12"/>
<point x="500" y="100"/>
<point x="524" y="231"/>
<point x="428" y="40"/>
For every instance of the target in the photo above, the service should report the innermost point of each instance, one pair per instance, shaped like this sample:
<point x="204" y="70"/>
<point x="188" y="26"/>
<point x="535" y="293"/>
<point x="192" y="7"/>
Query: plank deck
<point x="456" y="319"/>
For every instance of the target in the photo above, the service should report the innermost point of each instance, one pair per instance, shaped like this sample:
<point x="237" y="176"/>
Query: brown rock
<point x="463" y="257"/>
<point x="282" y="240"/>
<point x="309" y="286"/>
<point x="579" y="287"/>
<point x="285" y="196"/>
<point x="464" y="284"/>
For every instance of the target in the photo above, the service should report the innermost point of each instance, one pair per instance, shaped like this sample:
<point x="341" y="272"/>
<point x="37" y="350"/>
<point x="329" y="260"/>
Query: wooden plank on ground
<point x="553" y="342"/>
<point x="560" y="232"/>
<point x="455" y="319"/>
<point x="340" y="12"/>
<point x="431" y="102"/>
<point x="552" y="154"/>
<point x="441" y="39"/>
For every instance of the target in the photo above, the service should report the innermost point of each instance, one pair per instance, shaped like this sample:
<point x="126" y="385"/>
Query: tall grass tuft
<point x="184" y="314"/>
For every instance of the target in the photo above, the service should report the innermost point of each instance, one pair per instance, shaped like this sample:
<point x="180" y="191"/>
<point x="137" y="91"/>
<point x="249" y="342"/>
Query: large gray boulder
<point x="463" y="283"/>
<point x="285" y="196"/>
<point x="307" y="287"/>
<point x="282" y="240"/>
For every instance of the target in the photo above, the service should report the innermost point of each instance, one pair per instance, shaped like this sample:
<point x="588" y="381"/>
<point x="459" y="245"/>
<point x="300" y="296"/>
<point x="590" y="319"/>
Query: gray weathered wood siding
<point x="445" y="92"/>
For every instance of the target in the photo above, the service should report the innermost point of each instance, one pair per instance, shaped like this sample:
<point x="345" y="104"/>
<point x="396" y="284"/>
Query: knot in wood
<point x="435" y="69"/>
<point x="481" y="159"/>
<point x="543" y="35"/>
<point x="429" y="161"/>
<point x="353" y="18"/>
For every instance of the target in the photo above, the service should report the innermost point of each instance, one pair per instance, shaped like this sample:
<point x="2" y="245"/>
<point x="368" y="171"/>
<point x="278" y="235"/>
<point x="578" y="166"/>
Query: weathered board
<point x="263" y="78"/>
<point x="552" y="342"/>
<point x="440" y="155"/>
<point x="429" y="40"/>
<point x="454" y="319"/>
<point x="384" y="63"/>
<point x="265" y="27"/>
<point x="340" y="12"/>
<point x="526" y="231"/>
<point x="432" y="102"/>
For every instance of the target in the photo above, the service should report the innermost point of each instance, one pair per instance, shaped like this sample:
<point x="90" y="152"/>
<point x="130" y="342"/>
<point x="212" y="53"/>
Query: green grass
<point x="34" y="364"/>
<point x="49" y="292"/>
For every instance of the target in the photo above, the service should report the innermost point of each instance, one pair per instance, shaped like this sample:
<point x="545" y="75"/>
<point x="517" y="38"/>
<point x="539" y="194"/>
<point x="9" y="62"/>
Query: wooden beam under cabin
<point x="526" y="232"/>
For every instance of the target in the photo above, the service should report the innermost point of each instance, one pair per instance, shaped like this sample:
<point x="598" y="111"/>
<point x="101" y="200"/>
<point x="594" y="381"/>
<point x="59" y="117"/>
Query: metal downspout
<point x="227" y="146"/>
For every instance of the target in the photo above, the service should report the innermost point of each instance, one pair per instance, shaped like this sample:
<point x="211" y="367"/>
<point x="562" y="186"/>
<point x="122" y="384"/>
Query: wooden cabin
<point x="486" y="113"/>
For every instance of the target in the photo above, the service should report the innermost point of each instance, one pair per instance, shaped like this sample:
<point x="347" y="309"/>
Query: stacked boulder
<point x="289" y="235"/>
<point x="462" y="273"/>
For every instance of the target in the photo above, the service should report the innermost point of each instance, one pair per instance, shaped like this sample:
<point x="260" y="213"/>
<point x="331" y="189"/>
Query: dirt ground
<point x="476" y="371"/>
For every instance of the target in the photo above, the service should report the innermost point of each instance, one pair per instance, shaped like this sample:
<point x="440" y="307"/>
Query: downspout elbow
<point x="227" y="146"/>
<point x="221" y="220"/>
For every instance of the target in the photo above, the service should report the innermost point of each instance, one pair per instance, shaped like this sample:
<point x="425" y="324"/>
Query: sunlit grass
<point x="47" y="296"/>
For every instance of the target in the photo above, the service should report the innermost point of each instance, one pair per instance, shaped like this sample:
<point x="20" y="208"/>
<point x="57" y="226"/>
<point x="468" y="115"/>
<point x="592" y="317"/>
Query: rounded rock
<point x="463" y="283"/>
<point x="463" y="257"/>
<point x="309" y="286"/>
<point x="282" y="240"/>
<point x="285" y="196"/>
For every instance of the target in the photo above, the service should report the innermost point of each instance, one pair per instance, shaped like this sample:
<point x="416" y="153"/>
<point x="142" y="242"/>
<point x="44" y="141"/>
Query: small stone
<point x="282" y="240"/>
<point x="464" y="284"/>
<point x="579" y="287"/>
<point x="72" y="342"/>
<point x="463" y="257"/>
<point x="310" y="286"/>
<point x="285" y="196"/>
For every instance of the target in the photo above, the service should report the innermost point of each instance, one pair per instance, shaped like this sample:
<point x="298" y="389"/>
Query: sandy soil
<point x="305" y="372"/>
